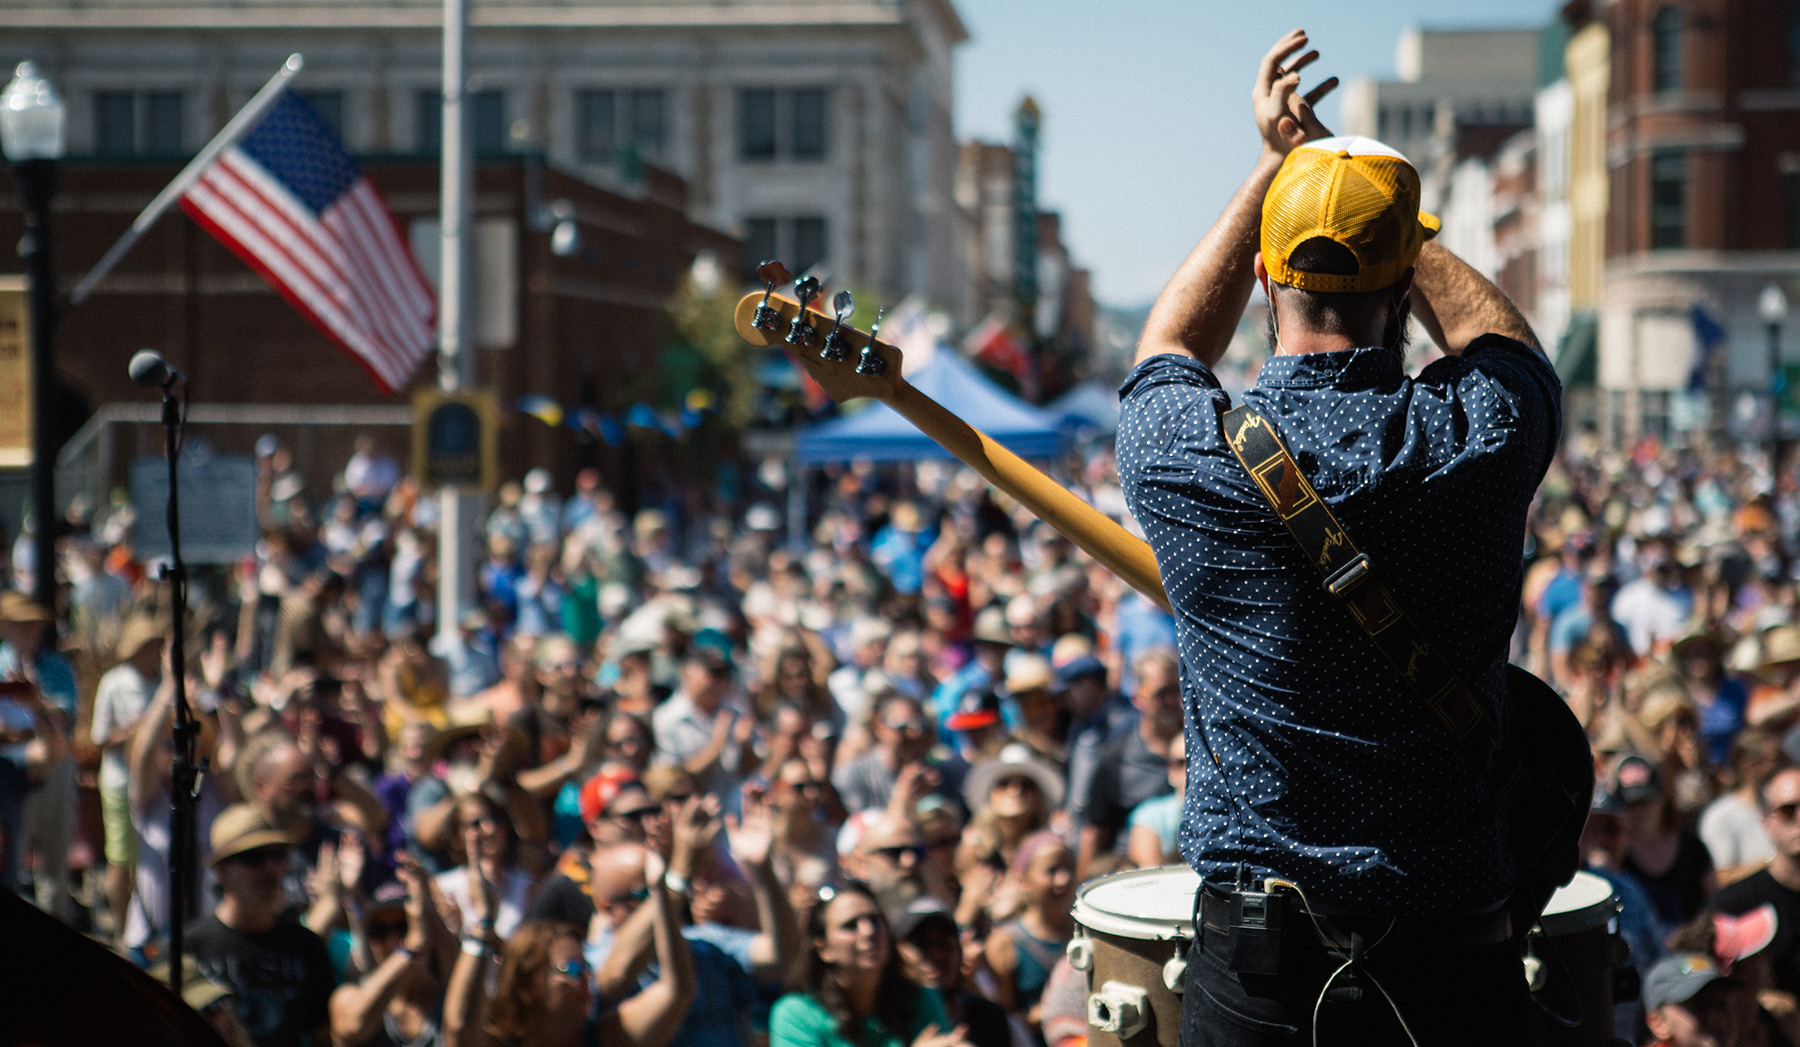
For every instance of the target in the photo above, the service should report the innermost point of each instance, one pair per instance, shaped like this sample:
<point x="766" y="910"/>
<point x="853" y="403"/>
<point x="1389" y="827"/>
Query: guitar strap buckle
<point x="1338" y="582"/>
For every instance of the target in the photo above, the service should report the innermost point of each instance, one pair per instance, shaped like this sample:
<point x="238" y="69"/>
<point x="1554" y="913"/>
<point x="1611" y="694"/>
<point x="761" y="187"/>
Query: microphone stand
<point x="186" y="770"/>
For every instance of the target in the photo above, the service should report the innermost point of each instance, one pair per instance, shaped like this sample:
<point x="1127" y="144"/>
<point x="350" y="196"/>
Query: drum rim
<point x="1136" y="928"/>
<point x="1584" y="918"/>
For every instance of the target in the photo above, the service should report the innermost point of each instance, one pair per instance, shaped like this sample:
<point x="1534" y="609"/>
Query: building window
<point x="598" y="131"/>
<point x="1668" y="199"/>
<point x="486" y="114"/>
<point x="799" y="243"/>
<point x="756" y="124"/>
<point x="808" y="125"/>
<point x="790" y="125"/>
<point x="760" y="243"/>
<point x="1791" y="181"/>
<point x="115" y="123"/>
<point x="1665" y="42"/>
<point x="330" y="107"/>
<point x="648" y="123"/>
<point x="604" y="128"/>
<point x="128" y="123"/>
<point x="809" y="242"/>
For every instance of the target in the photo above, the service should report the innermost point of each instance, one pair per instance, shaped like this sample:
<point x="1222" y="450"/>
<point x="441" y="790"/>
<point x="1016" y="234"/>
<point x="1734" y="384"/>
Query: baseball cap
<point x="978" y="708"/>
<point x="1636" y="780"/>
<point x="1355" y="192"/>
<point x="1677" y="977"/>
<point x="598" y="792"/>
<point x="1735" y="937"/>
<point x="922" y="912"/>
<point x="1077" y="668"/>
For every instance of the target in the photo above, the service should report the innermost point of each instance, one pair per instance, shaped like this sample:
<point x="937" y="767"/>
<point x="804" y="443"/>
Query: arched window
<point x="1665" y="42"/>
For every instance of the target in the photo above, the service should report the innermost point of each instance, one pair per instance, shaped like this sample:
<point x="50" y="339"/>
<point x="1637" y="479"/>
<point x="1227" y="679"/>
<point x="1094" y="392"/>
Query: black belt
<point x="1405" y="932"/>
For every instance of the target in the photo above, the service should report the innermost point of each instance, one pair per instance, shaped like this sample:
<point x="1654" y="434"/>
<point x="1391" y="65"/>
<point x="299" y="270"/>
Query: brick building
<point x="1703" y="208"/>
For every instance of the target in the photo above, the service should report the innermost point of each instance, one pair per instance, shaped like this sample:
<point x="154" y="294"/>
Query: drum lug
<point x="1080" y="951"/>
<point x="1175" y="971"/>
<point x="1120" y="1009"/>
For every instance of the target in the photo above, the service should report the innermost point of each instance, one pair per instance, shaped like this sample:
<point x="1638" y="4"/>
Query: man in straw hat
<point x="279" y="972"/>
<point x="120" y="700"/>
<point x="1310" y="759"/>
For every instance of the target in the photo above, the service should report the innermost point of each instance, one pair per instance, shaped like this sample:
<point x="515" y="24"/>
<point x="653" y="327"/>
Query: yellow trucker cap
<point x="1352" y="190"/>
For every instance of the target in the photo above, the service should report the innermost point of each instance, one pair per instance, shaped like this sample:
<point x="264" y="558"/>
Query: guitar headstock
<point x="846" y="362"/>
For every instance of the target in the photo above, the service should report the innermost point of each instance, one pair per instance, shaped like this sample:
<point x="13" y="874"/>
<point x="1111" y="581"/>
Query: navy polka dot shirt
<point x="1308" y="757"/>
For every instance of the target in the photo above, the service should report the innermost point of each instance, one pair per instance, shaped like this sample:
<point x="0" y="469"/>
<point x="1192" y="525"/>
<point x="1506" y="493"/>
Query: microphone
<point x="148" y="369"/>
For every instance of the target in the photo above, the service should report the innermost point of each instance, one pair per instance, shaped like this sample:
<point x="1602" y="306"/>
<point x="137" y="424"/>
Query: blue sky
<point x="1146" y="126"/>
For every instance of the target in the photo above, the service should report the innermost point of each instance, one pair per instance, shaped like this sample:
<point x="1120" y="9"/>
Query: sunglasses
<point x="634" y="896"/>
<point x="576" y="968"/>
<point x="948" y="843"/>
<point x="908" y="726"/>
<point x="386" y="928"/>
<point x="894" y="854"/>
<point x="1786" y="811"/>
<point x="1021" y="784"/>
<point x="677" y="797"/>
<point x="636" y="814"/>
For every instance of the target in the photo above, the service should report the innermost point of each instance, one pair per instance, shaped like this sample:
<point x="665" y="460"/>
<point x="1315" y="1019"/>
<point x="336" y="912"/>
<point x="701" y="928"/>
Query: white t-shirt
<point x="119" y="701"/>
<point x="515" y="899"/>
<point x="1732" y="830"/>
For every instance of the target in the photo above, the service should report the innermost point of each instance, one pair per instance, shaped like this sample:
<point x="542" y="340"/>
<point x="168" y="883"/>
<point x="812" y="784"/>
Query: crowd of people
<point x="677" y="780"/>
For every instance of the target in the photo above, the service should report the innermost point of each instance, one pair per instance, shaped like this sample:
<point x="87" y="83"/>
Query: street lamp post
<point x="31" y="134"/>
<point x="1773" y="307"/>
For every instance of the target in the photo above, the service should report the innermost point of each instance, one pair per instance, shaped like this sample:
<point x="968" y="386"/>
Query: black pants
<point x="1465" y="995"/>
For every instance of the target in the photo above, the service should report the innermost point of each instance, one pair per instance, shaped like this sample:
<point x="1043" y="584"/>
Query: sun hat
<point x="138" y="631"/>
<point x="1029" y="672"/>
<point x="1677" y="977"/>
<point x="990" y="627"/>
<point x="1355" y="192"/>
<point x="239" y="828"/>
<point x="1077" y="669"/>
<point x="1014" y="761"/>
<point x="921" y="913"/>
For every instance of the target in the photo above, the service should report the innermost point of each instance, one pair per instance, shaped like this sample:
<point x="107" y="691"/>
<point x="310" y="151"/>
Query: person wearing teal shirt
<point x="855" y="993"/>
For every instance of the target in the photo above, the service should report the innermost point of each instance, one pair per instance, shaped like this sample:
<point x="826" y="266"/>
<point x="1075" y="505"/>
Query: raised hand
<point x="752" y="837"/>
<point x="352" y="856"/>
<point x="325" y="882"/>
<point x="931" y="1037"/>
<point x="1284" y="116"/>
<point x="696" y="826"/>
<point x="418" y="891"/>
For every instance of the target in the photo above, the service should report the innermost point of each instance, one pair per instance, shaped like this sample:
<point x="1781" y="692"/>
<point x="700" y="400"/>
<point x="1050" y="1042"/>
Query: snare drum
<point x="1569" y="963"/>
<point x="1132" y="943"/>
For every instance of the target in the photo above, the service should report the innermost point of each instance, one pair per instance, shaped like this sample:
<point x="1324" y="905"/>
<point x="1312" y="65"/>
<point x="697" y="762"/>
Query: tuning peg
<point x="837" y="347"/>
<point x="870" y="363"/>
<point x="773" y="274"/>
<point x="801" y="331"/>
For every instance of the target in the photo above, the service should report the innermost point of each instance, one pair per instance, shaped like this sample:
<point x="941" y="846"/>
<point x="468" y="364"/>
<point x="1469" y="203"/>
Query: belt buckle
<point x="1340" y="580"/>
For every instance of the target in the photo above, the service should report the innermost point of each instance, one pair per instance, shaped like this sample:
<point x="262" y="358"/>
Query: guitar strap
<point x="1350" y="578"/>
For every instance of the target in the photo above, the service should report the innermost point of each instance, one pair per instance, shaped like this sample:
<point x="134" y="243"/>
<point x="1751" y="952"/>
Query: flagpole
<point x="457" y="508"/>
<point x="234" y="129"/>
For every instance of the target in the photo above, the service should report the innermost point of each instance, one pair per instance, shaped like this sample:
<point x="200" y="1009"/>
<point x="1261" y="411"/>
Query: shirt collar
<point x="1345" y="369"/>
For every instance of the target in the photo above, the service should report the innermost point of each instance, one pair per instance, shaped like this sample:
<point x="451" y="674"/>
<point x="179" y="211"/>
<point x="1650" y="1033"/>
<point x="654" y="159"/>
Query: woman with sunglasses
<point x="489" y="845"/>
<point x="543" y="994"/>
<point x="854" y="989"/>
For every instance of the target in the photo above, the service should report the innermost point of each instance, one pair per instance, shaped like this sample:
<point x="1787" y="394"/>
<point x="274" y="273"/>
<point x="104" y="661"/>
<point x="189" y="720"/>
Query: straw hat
<point x="139" y="630"/>
<point x="240" y="828"/>
<point x="17" y="607"/>
<point x="990" y="627"/>
<point x="1780" y="646"/>
<point x="1029" y="672"/>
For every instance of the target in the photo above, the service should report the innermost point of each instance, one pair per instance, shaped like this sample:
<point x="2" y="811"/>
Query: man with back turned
<point x="1354" y="858"/>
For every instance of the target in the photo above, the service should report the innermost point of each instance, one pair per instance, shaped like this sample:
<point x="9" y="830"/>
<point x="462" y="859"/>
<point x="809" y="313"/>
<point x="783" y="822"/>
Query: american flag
<point x="292" y="204"/>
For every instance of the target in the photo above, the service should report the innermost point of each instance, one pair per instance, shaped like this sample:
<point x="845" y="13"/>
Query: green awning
<point x="1577" y="357"/>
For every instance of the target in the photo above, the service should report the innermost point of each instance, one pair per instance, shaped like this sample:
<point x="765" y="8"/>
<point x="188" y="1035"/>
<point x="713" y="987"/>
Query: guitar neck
<point x="1117" y="549"/>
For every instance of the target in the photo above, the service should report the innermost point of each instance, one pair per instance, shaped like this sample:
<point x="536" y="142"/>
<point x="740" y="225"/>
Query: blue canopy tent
<point x="880" y="434"/>
<point x="1090" y="405"/>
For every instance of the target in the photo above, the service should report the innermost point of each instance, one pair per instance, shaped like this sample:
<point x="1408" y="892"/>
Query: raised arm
<point x="651" y="1018"/>
<point x="1198" y="311"/>
<point x="752" y="841"/>
<point x="1457" y="305"/>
